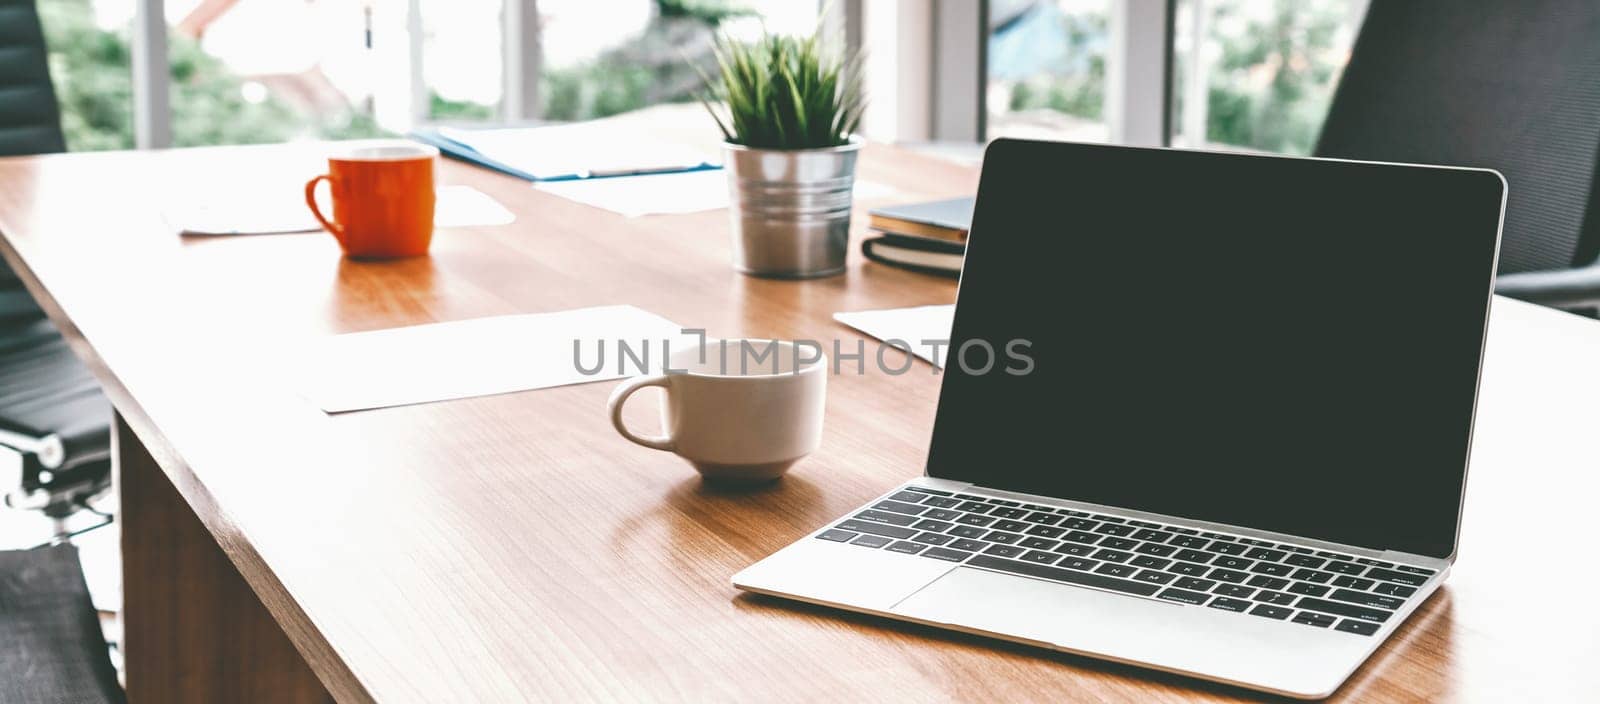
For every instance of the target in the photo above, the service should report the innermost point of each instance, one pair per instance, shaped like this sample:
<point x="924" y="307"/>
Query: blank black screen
<point x="1285" y="344"/>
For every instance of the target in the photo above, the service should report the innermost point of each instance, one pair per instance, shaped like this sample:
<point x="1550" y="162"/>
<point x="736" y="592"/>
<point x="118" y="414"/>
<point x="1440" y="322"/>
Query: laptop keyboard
<point x="1315" y="588"/>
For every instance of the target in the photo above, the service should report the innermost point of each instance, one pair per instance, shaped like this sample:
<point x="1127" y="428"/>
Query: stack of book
<point x="925" y="237"/>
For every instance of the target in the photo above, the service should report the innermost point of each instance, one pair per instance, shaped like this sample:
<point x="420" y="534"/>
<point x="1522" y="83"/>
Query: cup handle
<point x="620" y="397"/>
<point x="311" y="202"/>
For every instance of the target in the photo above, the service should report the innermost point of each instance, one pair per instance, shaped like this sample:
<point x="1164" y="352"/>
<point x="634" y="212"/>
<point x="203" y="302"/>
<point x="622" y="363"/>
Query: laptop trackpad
<point x="1220" y="644"/>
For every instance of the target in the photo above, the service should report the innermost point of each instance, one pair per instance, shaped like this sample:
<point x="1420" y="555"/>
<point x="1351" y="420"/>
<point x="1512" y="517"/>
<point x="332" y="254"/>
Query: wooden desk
<point x="514" y="547"/>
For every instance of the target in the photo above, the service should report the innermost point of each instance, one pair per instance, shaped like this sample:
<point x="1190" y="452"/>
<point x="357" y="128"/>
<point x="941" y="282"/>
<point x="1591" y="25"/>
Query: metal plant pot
<point x="791" y="209"/>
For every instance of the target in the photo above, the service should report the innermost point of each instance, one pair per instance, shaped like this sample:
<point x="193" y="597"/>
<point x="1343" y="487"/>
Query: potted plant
<point x="790" y="151"/>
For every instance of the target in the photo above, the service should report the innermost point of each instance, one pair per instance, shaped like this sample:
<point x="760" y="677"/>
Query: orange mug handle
<point x="311" y="202"/>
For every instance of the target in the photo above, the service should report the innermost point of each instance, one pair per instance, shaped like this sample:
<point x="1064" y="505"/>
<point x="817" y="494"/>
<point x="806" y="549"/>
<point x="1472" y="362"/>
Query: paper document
<point x="666" y="194"/>
<point x="457" y="206"/>
<point x="909" y="325"/>
<point x="578" y="151"/>
<point x="482" y="356"/>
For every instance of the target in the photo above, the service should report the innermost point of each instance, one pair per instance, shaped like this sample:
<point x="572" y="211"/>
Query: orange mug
<point x="382" y="198"/>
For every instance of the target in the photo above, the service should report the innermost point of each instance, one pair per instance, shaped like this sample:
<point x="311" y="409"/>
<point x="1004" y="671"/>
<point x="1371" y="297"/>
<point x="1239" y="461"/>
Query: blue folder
<point x="458" y="150"/>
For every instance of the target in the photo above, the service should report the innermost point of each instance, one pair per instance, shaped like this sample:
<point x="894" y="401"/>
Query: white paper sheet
<point x="667" y="194"/>
<point x="457" y="206"/>
<point x="911" y="325"/>
<point x="577" y="150"/>
<point x="478" y="357"/>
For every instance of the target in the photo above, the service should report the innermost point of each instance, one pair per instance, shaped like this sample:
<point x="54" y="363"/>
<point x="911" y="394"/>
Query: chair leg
<point x="193" y="630"/>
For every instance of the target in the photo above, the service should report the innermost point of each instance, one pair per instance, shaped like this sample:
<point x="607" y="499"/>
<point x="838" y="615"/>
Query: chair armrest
<point x="1564" y="288"/>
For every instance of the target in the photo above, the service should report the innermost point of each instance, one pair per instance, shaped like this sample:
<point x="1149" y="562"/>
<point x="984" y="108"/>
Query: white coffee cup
<point x="738" y="410"/>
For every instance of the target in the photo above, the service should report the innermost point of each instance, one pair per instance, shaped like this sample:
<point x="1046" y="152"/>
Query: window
<point x="89" y="64"/>
<point x="1047" y="69"/>
<point x="462" y="64"/>
<point x="1258" y="74"/>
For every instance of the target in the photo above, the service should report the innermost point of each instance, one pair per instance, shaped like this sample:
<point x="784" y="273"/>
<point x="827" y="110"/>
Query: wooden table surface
<point x="514" y="547"/>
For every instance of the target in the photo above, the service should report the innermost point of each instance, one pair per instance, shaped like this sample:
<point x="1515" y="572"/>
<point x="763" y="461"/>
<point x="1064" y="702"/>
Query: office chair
<point x="53" y="414"/>
<point x="1513" y="86"/>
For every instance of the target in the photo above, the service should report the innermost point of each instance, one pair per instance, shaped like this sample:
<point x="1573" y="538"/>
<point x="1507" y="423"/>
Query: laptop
<point x="1205" y="413"/>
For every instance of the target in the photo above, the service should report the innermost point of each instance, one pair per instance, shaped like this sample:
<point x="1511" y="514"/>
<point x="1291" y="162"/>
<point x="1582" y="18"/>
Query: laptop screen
<point x="1282" y="344"/>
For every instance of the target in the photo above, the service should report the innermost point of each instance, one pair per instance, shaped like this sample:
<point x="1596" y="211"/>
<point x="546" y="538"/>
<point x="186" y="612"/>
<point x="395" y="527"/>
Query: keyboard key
<point x="1232" y="563"/>
<point x="1203" y="585"/>
<point x="1087" y="579"/>
<point x="1265" y="554"/>
<point x="876" y="529"/>
<point x="1155" y="549"/>
<point x="1112" y="555"/>
<point x="1366" y="599"/>
<point x="1079" y="524"/>
<point x="946" y="554"/>
<point x="1041" y="557"/>
<point x="836" y="535"/>
<point x="1276" y="569"/>
<point x="1226" y="548"/>
<point x="1258" y="543"/>
<point x="1217" y="536"/>
<point x="1357" y="627"/>
<point x="943" y="502"/>
<point x="1339" y="608"/>
<point x="1075" y="549"/>
<point x="1155" y="577"/>
<point x="1004" y="550"/>
<point x="933" y="492"/>
<point x="906" y="547"/>
<point x="942" y="514"/>
<point x="893" y="519"/>
<point x="1227" y="604"/>
<point x="1182" y="595"/>
<point x="1144" y="524"/>
<point x="968" y="531"/>
<point x="1039" y="543"/>
<point x="975" y="507"/>
<point x="1188" y="568"/>
<point x="933" y="538"/>
<point x="1373" y="563"/>
<point x="1193" y="556"/>
<point x="1272" y="597"/>
<point x="909" y="497"/>
<point x="968" y="545"/>
<point x="1266" y="582"/>
<point x="1395" y="590"/>
<point x="1154" y="563"/>
<point x="1416" y="570"/>
<point x="1111" y="519"/>
<point x="1227" y="575"/>
<point x="1079" y="536"/>
<point x="1406" y="578"/>
<point x="1352" y="582"/>
<point x="1295" y="548"/>
<point x="974" y="520"/>
<point x="969" y="497"/>
<point x="1114" y="529"/>
<point x="1154" y="536"/>
<point x="1335" y="555"/>
<point x="1037" y="507"/>
<point x="1189" y="541"/>
<point x="1183" y="531"/>
<point x="1009" y="525"/>
<point x="1313" y="576"/>
<point x="1312" y="618"/>
<point x="1046" y="531"/>
<point x="900" y="507"/>
<point x="1002" y="537"/>
<point x="1305" y="561"/>
<point x="1345" y="567"/>
<point x="1003" y="502"/>
<point x="1269" y="611"/>
<point x="1079" y="563"/>
<point x="1009" y="512"/>
<point x="1048" y="519"/>
<point x="871" y="541"/>
<point x="1070" y="512"/>
<point x="1119" y="543"/>
<point x="935" y="526"/>
<point x="1233" y="590"/>
<point x="1308" y="589"/>
<point x="1116" y="570"/>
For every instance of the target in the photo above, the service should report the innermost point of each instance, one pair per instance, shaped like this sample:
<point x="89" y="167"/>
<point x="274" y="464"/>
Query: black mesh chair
<point x="51" y="411"/>
<point x="1513" y="86"/>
